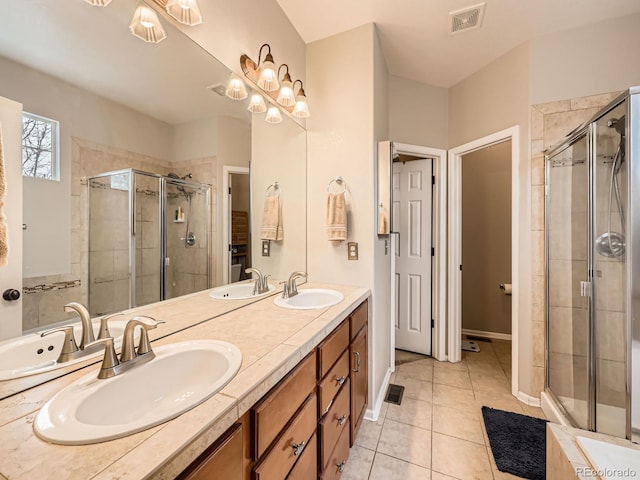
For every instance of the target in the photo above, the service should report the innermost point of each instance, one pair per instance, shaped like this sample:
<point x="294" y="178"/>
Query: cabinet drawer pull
<point x="341" y="380"/>
<point x="341" y="465"/>
<point x="357" y="355"/>
<point x="298" y="448"/>
<point x="342" y="420"/>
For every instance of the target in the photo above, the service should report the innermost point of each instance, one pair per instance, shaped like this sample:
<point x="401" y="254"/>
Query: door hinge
<point x="460" y="267"/>
<point x="433" y="179"/>
<point x="229" y="190"/>
<point x="433" y="323"/>
<point x="229" y="247"/>
<point x="433" y="252"/>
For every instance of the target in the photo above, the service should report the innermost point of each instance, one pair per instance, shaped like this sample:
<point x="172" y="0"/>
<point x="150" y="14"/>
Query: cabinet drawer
<point x="334" y="423"/>
<point x="275" y="410"/>
<point x="358" y="318"/>
<point x="330" y="350"/>
<point x="338" y="458"/>
<point x="330" y="385"/>
<point x="279" y="460"/>
<point x="224" y="459"/>
<point x="307" y="467"/>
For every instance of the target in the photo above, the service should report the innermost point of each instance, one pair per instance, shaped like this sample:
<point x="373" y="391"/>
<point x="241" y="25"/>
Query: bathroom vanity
<point x="303" y="381"/>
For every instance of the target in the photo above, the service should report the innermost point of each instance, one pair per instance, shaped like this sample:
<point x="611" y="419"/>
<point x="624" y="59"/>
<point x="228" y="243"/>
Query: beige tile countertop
<point x="272" y="341"/>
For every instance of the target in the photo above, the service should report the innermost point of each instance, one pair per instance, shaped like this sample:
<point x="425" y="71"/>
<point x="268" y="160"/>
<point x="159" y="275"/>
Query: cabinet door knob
<point x="11" y="294"/>
<point x="340" y="380"/>
<point x="341" y="465"/>
<point x="342" y="420"/>
<point x="298" y="448"/>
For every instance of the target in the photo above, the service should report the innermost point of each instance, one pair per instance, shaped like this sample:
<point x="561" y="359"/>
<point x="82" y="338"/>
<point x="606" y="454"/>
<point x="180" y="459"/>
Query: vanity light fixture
<point x="146" y="24"/>
<point x="273" y="115"/>
<point x="285" y="96"/>
<point x="186" y="12"/>
<point x="301" y="108"/>
<point x="236" y="89"/>
<point x="268" y="79"/>
<point x="98" y="3"/>
<point x="257" y="104"/>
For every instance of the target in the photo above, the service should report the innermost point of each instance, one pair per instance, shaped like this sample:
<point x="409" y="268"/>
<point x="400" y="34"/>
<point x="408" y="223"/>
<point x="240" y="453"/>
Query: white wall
<point x="341" y="140"/>
<point x="197" y="139"/>
<point x="418" y="113"/>
<point x="585" y="61"/>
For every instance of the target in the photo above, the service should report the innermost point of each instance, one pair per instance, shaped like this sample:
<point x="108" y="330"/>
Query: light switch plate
<point x="352" y="250"/>
<point x="266" y="248"/>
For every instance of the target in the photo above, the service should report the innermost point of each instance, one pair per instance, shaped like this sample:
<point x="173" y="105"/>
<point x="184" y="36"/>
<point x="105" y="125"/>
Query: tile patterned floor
<point x="437" y="433"/>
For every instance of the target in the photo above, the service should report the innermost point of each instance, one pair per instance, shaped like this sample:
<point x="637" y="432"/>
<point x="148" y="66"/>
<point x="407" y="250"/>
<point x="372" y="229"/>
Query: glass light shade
<point x="146" y="25"/>
<point x="236" y="89"/>
<point x="256" y="104"/>
<point x="301" y="109"/>
<point x="98" y="3"/>
<point x="285" y="96"/>
<point x="273" y="115"/>
<point x="268" y="80"/>
<point x="186" y="12"/>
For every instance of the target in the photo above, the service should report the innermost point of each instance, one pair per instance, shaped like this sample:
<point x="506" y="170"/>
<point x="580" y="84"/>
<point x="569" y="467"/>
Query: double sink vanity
<point x="237" y="382"/>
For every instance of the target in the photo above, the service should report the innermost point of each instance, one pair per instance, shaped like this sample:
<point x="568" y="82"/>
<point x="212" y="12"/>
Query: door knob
<point x="11" y="294"/>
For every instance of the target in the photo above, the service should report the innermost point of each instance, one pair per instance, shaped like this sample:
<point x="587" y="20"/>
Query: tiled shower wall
<point x="45" y="307"/>
<point x="550" y="123"/>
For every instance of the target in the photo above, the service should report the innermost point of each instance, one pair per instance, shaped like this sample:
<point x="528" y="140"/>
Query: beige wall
<point x="486" y="238"/>
<point x="492" y="99"/>
<point x="585" y="61"/>
<point x="418" y="113"/>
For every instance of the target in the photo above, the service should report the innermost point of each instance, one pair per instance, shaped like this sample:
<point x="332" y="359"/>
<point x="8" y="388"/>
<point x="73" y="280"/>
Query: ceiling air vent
<point x="467" y="18"/>
<point x="217" y="88"/>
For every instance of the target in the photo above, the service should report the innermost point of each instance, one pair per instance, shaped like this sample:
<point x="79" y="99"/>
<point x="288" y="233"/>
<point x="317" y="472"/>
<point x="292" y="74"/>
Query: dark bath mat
<point x="518" y="443"/>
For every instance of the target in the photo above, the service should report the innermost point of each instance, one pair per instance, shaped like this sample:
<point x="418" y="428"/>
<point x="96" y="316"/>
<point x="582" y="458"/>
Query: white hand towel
<point x="336" y="217"/>
<point x="4" y="241"/>
<point x="272" y="220"/>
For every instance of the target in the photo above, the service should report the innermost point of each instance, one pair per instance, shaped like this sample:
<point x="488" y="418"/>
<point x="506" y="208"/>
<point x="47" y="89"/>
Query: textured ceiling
<point x="415" y="33"/>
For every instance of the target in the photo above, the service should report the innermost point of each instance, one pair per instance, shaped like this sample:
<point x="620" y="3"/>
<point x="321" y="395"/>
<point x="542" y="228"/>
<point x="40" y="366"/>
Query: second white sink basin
<point x="32" y="354"/>
<point x="310" y="298"/>
<point x="238" y="291"/>
<point x="181" y="376"/>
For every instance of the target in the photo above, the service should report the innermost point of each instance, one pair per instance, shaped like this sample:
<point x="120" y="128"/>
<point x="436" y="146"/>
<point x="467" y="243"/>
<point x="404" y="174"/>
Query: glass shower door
<point x="567" y="207"/>
<point x="609" y="262"/>
<point x="187" y="219"/>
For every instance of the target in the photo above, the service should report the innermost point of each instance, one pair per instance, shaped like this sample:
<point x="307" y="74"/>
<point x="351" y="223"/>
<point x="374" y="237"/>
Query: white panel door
<point x="11" y="273"/>
<point x="412" y="199"/>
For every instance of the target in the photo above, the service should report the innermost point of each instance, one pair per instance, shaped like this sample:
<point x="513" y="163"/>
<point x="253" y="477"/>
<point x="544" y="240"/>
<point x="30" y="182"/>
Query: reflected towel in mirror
<point x="4" y="243"/>
<point x="272" y="220"/>
<point x="336" y="217"/>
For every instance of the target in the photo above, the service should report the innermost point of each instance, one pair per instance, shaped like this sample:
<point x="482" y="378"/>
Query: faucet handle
<point x="285" y="289"/>
<point x="69" y="345"/>
<point x="143" y="345"/>
<point x="110" y="360"/>
<point x="104" y="326"/>
<point x="147" y="323"/>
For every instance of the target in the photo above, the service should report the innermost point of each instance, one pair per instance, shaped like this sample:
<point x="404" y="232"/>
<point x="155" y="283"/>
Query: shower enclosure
<point x="148" y="239"/>
<point x="593" y="271"/>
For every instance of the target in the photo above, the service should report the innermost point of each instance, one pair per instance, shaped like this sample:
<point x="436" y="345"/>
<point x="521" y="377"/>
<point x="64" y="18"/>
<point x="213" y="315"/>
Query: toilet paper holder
<point x="506" y="288"/>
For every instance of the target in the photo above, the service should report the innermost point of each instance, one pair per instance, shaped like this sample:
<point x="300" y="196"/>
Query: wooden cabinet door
<point x="224" y="459"/>
<point x="359" y="380"/>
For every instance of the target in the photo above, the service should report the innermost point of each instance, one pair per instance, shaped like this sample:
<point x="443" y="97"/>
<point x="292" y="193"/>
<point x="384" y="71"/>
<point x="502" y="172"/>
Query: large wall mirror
<point x="97" y="99"/>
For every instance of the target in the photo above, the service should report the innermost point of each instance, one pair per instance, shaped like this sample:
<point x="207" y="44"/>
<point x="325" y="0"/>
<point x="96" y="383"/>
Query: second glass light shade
<point x="273" y="115"/>
<point x="186" y="12"/>
<point x="146" y="25"/>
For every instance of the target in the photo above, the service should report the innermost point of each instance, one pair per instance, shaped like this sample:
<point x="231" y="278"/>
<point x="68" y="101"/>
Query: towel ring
<point x="276" y="189"/>
<point x="338" y="180"/>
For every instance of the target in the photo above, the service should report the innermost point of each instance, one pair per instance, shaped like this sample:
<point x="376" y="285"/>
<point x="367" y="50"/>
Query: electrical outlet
<point x="266" y="248"/>
<point x="352" y="249"/>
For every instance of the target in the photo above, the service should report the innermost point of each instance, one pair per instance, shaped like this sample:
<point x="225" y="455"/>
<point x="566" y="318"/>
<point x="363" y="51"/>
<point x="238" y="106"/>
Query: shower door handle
<point x="585" y="289"/>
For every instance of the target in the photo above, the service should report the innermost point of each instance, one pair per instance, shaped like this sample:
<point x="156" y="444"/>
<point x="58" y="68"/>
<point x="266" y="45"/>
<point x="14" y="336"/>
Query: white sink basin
<point x="310" y="298"/>
<point x="181" y="376"/>
<point x="238" y="291"/>
<point x="32" y="354"/>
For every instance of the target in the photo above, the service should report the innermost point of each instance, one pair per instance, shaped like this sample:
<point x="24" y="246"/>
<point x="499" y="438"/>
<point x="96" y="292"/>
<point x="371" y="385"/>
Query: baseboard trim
<point x="528" y="399"/>
<point x="482" y="334"/>
<point x="373" y="413"/>
<point x="551" y="410"/>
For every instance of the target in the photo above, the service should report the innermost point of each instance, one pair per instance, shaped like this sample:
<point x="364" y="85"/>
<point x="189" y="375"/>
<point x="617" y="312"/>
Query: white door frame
<point x="454" y="307"/>
<point x="439" y="272"/>
<point x="226" y="216"/>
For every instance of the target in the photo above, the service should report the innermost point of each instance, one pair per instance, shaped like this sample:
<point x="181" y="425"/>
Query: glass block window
<point x="40" y="147"/>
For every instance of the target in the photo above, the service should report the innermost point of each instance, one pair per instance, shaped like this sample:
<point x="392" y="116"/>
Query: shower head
<point x="618" y="124"/>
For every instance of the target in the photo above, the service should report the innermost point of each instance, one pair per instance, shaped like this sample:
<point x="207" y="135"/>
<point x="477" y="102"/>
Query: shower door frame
<point x="632" y="268"/>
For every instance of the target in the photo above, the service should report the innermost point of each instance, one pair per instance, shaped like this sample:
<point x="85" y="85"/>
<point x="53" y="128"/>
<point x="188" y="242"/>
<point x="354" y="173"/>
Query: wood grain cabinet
<point x="359" y="354"/>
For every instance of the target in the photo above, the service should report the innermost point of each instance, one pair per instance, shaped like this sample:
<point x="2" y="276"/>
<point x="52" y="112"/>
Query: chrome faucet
<point x="290" y="288"/>
<point x="261" y="285"/>
<point x="129" y="357"/>
<point x="85" y="319"/>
